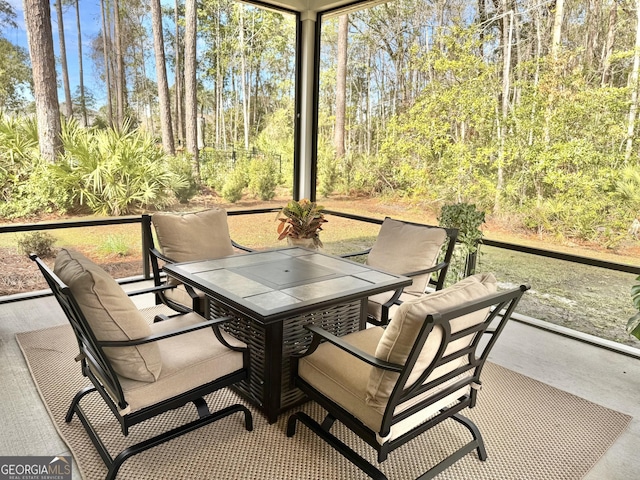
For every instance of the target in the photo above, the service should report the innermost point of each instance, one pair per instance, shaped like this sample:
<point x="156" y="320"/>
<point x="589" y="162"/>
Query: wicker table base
<point x="271" y="346"/>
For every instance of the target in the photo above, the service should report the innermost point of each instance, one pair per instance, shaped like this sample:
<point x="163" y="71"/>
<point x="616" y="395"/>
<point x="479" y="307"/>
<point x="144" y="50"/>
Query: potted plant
<point x="468" y="220"/>
<point x="633" y="325"/>
<point x="301" y="222"/>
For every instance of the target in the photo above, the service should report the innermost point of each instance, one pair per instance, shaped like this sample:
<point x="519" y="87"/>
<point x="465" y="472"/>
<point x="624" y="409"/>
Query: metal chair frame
<point x="437" y="284"/>
<point x="502" y="306"/>
<point x="198" y="304"/>
<point x="96" y="366"/>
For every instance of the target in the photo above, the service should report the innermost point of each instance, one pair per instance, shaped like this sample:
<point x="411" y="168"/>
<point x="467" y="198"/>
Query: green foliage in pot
<point x="301" y="219"/>
<point x="633" y="325"/>
<point x="467" y="219"/>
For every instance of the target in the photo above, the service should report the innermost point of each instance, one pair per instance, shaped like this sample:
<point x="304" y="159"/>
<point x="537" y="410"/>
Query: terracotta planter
<point x="302" y="242"/>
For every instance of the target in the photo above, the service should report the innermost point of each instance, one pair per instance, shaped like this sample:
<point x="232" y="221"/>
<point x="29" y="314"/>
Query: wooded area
<point x="526" y="108"/>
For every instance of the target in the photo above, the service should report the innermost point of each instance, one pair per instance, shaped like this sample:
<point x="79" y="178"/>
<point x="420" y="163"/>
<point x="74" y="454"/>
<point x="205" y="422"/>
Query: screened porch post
<point x="308" y="104"/>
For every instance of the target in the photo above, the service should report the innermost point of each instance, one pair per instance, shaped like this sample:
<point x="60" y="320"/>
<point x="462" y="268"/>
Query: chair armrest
<point x="435" y="268"/>
<point x="395" y="300"/>
<point x="157" y="278"/>
<point x="161" y="288"/>
<point x="221" y="339"/>
<point x="161" y="336"/>
<point x="156" y="253"/>
<point x="355" y="254"/>
<point x="319" y="334"/>
<point x="241" y="247"/>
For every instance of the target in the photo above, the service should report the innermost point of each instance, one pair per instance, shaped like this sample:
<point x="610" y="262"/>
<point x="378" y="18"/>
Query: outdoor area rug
<point x="531" y="431"/>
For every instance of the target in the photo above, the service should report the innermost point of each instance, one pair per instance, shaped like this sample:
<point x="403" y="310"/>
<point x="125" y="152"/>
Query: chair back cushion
<point x="111" y="315"/>
<point x="402" y="248"/>
<point x="185" y="237"/>
<point x="402" y="332"/>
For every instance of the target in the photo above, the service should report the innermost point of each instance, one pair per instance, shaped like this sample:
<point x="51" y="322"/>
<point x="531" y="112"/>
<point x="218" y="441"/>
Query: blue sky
<point x="90" y="26"/>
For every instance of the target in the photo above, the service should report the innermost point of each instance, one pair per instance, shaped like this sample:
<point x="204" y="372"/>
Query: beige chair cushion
<point x="188" y="361"/>
<point x="403" y="248"/>
<point x="111" y="315"/>
<point x="344" y="379"/>
<point x="181" y="296"/>
<point x="193" y="236"/>
<point x="374" y="303"/>
<point x="402" y="331"/>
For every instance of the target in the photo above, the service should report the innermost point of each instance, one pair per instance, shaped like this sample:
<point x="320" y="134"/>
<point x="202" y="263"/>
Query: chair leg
<point x="323" y="432"/>
<point x="476" y="444"/>
<point x="327" y="423"/>
<point x="475" y="432"/>
<point x="175" y="433"/>
<point x="334" y="442"/>
<point x="76" y="400"/>
<point x="202" y="407"/>
<point x="113" y="465"/>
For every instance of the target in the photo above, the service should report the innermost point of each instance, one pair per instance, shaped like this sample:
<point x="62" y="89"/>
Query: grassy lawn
<point x="587" y="299"/>
<point x="102" y="241"/>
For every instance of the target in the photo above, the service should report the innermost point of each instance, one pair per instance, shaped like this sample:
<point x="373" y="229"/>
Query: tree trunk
<point x="120" y="80"/>
<point x="83" y="105"/>
<point x="557" y="29"/>
<point x="555" y="51"/>
<point x="507" y="36"/>
<point x="341" y="86"/>
<point x="482" y="17"/>
<point x="220" y="121"/>
<point x="191" y="107"/>
<point x="105" y="53"/>
<point x="536" y="76"/>
<point x="178" y="80"/>
<point x="369" y="102"/>
<point x="243" y="80"/>
<point x="37" y="16"/>
<point x="161" y="76"/>
<point x="633" y="84"/>
<point x="68" y="107"/>
<point x="608" y="49"/>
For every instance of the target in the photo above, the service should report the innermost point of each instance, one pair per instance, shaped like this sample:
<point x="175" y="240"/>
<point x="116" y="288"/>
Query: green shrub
<point x="214" y="168"/>
<point x="32" y="190"/>
<point x="275" y="141"/>
<point x="18" y="140"/>
<point x="114" y="245"/>
<point x="235" y="183"/>
<point x="328" y="175"/>
<point x="263" y="178"/>
<point x="114" y="172"/>
<point x="40" y="243"/>
<point x="180" y="165"/>
<point x="26" y="186"/>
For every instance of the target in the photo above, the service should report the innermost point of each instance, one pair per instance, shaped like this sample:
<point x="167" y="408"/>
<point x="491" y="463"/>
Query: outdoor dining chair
<point x="422" y="252"/>
<point x="185" y="237"/>
<point x="141" y="369"/>
<point x="389" y="385"/>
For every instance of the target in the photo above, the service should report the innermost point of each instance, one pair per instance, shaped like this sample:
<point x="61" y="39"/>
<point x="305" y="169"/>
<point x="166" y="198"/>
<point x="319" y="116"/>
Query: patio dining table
<point x="271" y="296"/>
